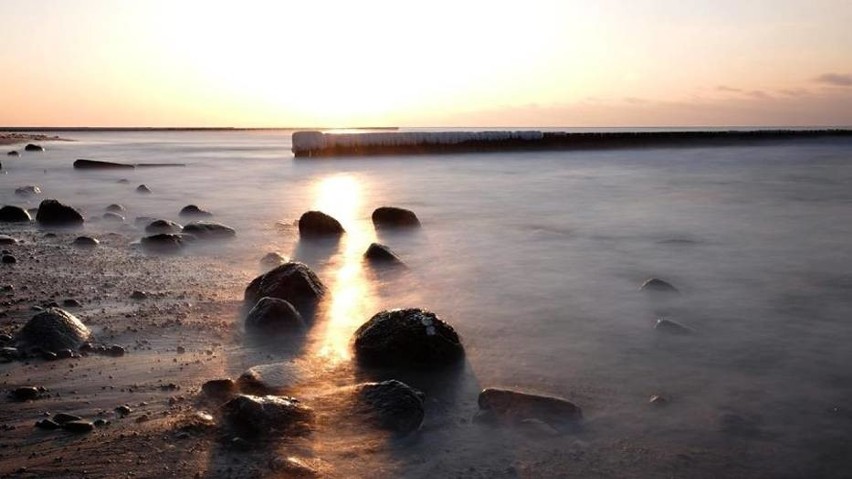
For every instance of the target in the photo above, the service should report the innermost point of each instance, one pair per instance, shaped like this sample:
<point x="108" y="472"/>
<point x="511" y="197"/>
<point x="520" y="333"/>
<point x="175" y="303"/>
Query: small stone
<point x="139" y="295"/>
<point x="181" y="349"/>
<point x="64" y="354"/>
<point x="101" y="422"/>
<point x="314" y="224"/>
<point x="25" y="393"/>
<point x="62" y="418"/>
<point x="86" y="242"/>
<point x="47" y="424"/>
<point x="115" y="351"/>
<point x="71" y="303"/>
<point x="33" y="147"/>
<point x="143" y="189"/>
<point x="123" y="410"/>
<point x="8" y="259"/>
<point x="115" y="208"/>
<point x="194" y="211"/>
<point x="672" y="327"/>
<point x="29" y="190"/>
<point x="113" y="217"/>
<point x="392" y="217"/>
<point x="657" y="400"/>
<point x="78" y="426"/>
<point x="49" y="356"/>
<point x="658" y="285"/>
<point x="219" y="388"/>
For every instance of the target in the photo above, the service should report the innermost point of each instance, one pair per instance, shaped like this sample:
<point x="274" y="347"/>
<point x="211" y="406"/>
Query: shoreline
<point x="14" y="138"/>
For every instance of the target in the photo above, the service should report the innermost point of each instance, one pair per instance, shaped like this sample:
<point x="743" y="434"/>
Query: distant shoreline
<point x="13" y="138"/>
<point x="47" y="129"/>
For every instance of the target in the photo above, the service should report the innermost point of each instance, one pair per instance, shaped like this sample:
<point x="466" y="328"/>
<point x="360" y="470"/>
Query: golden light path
<point x="352" y="298"/>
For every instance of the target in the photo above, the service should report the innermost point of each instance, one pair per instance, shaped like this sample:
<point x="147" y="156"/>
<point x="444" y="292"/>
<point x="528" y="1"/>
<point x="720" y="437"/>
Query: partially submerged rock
<point x="319" y="224"/>
<point x="53" y="329"/>
<point x="208" y="230"/>
<point x="672" y="327"/>
<point x="389" y="217"/>
<point x="14" y="214"/>
<point x="100" y="165"/>
<point x="86" y="242"/>
<point x="162" y="243"/>
<point x="113" y="217"/>
<point x="658" y="285"/>
<point x="33" y="147"/>
<point x="115" y="208"/>
<point x="391" y="405"/>
<point x="193" y="211"/>
<point x="293" y="282"/>
<point x="163" y="226"/>
<point x="274" y="315"/>
<point x="274" y="378"/>
<point x="380" y="255"/>
<point x="267" y="415"/>
<point x="29" y="190"/>
<point x="516" y="406"/>
<point x="273" y="259"/>
<point x="143" y="189"/>
<point x="12" y="153"/>
<point x="54" y="213"/>
<point x="407" y="337"/>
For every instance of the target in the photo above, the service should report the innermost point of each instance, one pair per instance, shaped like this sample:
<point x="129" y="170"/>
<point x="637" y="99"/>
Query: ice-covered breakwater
<point x="316" y="143"/>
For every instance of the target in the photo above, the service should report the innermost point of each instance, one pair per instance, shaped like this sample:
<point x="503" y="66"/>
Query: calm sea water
<point x="536" y="259"/>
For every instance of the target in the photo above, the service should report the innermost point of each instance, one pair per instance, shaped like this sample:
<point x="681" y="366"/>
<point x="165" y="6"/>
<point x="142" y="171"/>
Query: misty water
<point x="536" y="259"/>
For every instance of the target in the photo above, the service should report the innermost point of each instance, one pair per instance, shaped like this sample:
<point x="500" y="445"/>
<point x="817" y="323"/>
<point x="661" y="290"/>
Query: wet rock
<point x="672" y="327"/>
<point x="293" y="282"/>
<point x="380" y="255"/>
<point x="162" y="243"/>
<point x="391" y="405"/>
<point x="8" y="352"/>
<point x="193" y="211"/>
<point x="28" y="190"/>
<point x="14" y="214"/>
<point x="271" y="260"/>
<point x="8" y="259"/>
<point x="163" y="226"/>
<point x="389" y="217"/>
<point x="7" y="240"/>
<point x="54" y="213"/>
<point x="319" y="224"/>
<point x="658" y="401"/>
<point x="100" y="165"/>
<point x="138" y="295"/>
<point x="12" y="153"/>
<point x="123" y="410"/>
<point x="52" y="330"/>
<point x="101" y="422"/>
<point x="62" y="418"/>
<point x="33" y="147"/>
<point x="658" y="285"/>
<point x="516" y="406"/>
<point x="143" y="189"/>
<point x="86" y="242"/>
<point x="407" y="337"/>
<point x="208" y="230"/>
<point x="78" y="426"/>
<point x="47" y="424"/>
<point x="274" y="378"/>
<point x="220" y="389"/>
<point x="63" y="354"/>
<point x="273" y="315"/>
<point x="113" y="217"/>
<point x="115" y="208"/>
<point x="115" y="351"/>
<point x="25" y="393"/>
<point x="267" y="415"/>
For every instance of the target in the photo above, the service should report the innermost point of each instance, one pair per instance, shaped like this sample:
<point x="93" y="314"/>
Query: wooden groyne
<point x="318" y="144"/>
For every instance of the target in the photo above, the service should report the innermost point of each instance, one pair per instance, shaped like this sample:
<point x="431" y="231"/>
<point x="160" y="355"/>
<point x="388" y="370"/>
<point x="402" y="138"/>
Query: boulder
<point x="407" y="337"/>
<point x="86" y="242"/>
<point x="163" y="226"/>
<point x="8" y="259"/>
<point x="100" y="165"/>
<point x="143" y="189"/>
<point x="115" y="208"/>
<point x="516" y="406"/>
<point x="389" y="217"/>
<point x="319" y="224"/>
<point x="54" y="213"/>
<point x="672" y="327"/>
<point x="53" y="329"/>
<point x="380" y="255"/>
<point x="274" y="378"/>
<point x="32" y="147"/>
<point x="267" y="415"/>
<point x="391" y="405"/>
<point x="273" y="315"/>
<point x="29" y="190"/>
<point x="658" y="285"/>
<point x="192" y="211"/>
<point x="272" y="260"/>
<point x="14" y="214"/>
<point x="208" y="230"/>
<point x="162" y="243"/>
<point x="219" y="389"/>
<point x="7" y="240"/>
<point x="12" y="153"/>
<point x="113" y="217"/>
<point x="293" y="282"/>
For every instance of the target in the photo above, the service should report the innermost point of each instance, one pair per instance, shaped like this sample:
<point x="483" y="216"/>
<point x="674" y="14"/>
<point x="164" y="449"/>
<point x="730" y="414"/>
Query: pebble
<point x="71" y="303"/>
<point x="25" y="393"/>
<point x="8" y="259"/>
<point x="123" y="410"/>
<point x="138" y="295"/>
<point x="62" y="418"/>
<point x="78" y="426"/>
<point x="115" y="351"/>
<point x="47" y="424"/>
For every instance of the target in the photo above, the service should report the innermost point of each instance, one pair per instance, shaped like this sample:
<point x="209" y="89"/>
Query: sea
<point x="537" y="259"/>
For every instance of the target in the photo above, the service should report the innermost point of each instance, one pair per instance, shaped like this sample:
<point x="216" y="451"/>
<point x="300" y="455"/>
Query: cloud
<point x="759" y="94"/>
<point x="834" y="79"/>
<point x="729" y="89"/>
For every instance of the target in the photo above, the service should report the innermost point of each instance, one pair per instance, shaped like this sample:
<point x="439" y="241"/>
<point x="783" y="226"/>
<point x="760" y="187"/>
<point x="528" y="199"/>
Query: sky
<point x="453" y="63"/>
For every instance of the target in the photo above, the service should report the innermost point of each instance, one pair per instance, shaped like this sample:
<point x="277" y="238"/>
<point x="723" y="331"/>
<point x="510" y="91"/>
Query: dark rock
<point x="162" y="243"/>
<point x="47" y="424"/>
<point x="5" y="338"/>
<point x="114" y="217"/>
<point x="101" y="422"/>
<point x="138" y="295"/>
<point x="115" y="208"/>
<point x="293" y="467"/>
<point x="318" y="224"/>
<point x="163" y="226"/>
<point x="52" y="330"/>
<point x="115" y="351"/>
<point x="274" y="378"/>
<point x="391" y="405"/>
<point x="33" y="147"/>
<point x="192" y="211"/>
<point x="49" y="355"/>
<point x="86" y="242"/>
<point x="8" y="352"/>
<point x="12" y="153"/>
<point x="26" y="393"/>
<point x="7" y="240"/>
<point x="14" y="214"/>
<point x="28" y="190"/>
<point x="54" y="213"/>
<point x="123" y="181"/>
<point x="267" y="415"/>
<point x="64" y="354"/>
<point x="123" y="410"/>
<point x="672" y="327"/>
<point x="220" y="389"/>
<point x="273" y="315"/>
<point x="393" y="217"/>
<point x="271" y="260"/>
<point x="8" y="259"/>
<point x="208" y="230"/>
<point x="143" y="189"/>
<point x="62" y="418"/>
<point x="78" y="426"/>
<point x="100" y="165"/>
<point x="657" y="285"/>
<point x="293" y="282"/>
<point x="381" y="255"/>
<point x="407" y="337"/>
<point x="516" y="406"/>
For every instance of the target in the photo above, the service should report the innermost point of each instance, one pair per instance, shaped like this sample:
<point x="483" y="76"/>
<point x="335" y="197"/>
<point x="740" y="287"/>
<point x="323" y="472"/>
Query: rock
<point x="8" y="352"/>
<point x="657" y="285"/>
<point x="123" y="410"/>
<point x="52" y="330"/>
<point x="143" y="189"/>
<point x="54" y="213"/>
<point x="12" y="153"/>
<point x="658" y="401"/>
<point x="516" y="406"/>
<point x="271" y="260"/>
<point x="123" y="181"/>
<point x="390" y="217"/>
<point x="274" y="378"/>
<point x="78" y="426"/>
<point x="63" y="354"/>
<point x="162" y="243"/>
<point x="138" y="295"/>
<point x="28" y="190"/>
<point x="163" y="226"/>
<point x="319" y="224"/>
<point x="101" y="422"/>
<point x="407" y="337"/>
<point x="33" y="147"/>
<point x="380" y="255"/>
<point x="8" y="259"/>
<point x="100" y="165"/>
<point x="62" y="418"/>
<point x="672" y="327"/>
<point x="113" y="217"/>
<point x="115" y="351"/>
<point x="47" y="424"/>
<point x="292" y="467"/>
<point x="391" y="405"/>
<point x="25" y="393"/>
<point x="293" y="282"/>
<point x="208" y="230"/>
<point x="14" y="214"/>
<point x="192" y="211"/>
<point x="220" y="389"/>
<point x="115" y="208"/>
<point x="71" y="303"/>
<point x="86" y="242"/>
<point x="5" y="338"/>
<point x="7" y="240"/>
<point x="267" y="415"/>
<point x="273" y="315"/>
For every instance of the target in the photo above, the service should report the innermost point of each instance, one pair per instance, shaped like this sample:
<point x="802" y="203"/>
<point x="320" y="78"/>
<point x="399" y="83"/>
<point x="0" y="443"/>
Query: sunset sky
<point x="253" y="63"/>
